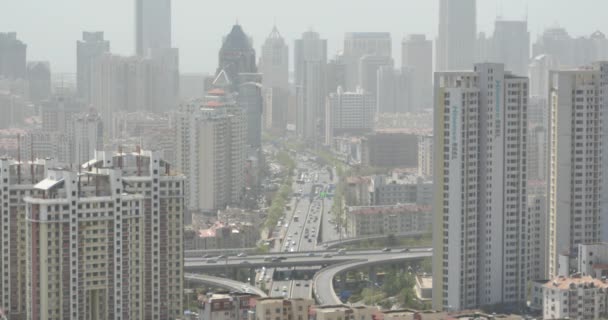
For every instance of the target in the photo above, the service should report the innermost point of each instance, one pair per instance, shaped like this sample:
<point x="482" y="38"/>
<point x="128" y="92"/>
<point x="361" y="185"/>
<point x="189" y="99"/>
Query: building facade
<point x="274" y="66"/>
<point x="152" y="25"/>
<point x="481" y="210"/>
<point x="349" y="112"/>
<point x="580" y="298"/>
<point x="455" y="45"/>
<point x="92" y="46"/>
<point x="417" y="56"/>
<point x="393" y="219"/>
<point x="360" y="44"/>
<point x="12" y="56"/>
<point x="106" y="242"/>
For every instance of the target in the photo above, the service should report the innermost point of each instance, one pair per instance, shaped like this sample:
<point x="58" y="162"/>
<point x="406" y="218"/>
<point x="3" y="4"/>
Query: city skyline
<point x="198" y="36"/>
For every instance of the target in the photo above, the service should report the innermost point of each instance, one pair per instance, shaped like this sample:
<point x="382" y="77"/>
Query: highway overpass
<point x="231" y="285"/>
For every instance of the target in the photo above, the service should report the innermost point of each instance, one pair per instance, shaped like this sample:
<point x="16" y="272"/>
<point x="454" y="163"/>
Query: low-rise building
<point x="281" y="309"/>
<point x="576" y="297"/>
<point x="226" y="306"/>
<point x="424" y="287"/>
<point x="224" y="236"/>
<point x="395" y="219"/>
<point x="593" y="260"/>
<point x="401" y="187"/>
<point x="343" y="312"/>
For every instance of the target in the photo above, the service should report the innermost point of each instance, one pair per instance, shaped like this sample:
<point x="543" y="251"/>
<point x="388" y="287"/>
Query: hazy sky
<point x="51" y="27"/>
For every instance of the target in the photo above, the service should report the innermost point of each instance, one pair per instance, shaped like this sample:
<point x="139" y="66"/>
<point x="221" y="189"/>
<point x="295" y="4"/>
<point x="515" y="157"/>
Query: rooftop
<point x="566" y="283"/>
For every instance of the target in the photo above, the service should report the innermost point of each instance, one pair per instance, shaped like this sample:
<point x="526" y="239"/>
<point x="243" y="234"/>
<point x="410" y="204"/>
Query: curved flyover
<point x="232" y="285"/>
<point x="323" y="285"/>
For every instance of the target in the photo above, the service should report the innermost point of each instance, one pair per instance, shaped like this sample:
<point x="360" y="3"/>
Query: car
<point x="386" y="250"/>
<point x="267" y="258"/>
<point x="275" y="259"/>
<point x="298" y="284"/>
<point x="222" y="257"/>
<point x="327" y="255"/>
<point x="211" y="261"/>
<point x="309" y="240"/>
<point x="276" y="288"/>
<point x="406" y="250"/>
<point x="245" y="262"/>
<point x="242" y="255"/>
<point x="284" y="288"/>
<point x="311" y="254"/>
<point x="306" y="284"/>
<point x="342" y="252"/>
<point x="207" y="256"/>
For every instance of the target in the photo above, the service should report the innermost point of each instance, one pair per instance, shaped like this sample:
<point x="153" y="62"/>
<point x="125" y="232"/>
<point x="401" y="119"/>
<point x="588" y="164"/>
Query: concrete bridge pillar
<point x="252" y="276"/>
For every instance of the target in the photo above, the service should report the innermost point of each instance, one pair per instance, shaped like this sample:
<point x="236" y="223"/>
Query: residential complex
<point x="578" y="297"/>
<point x="106" y="241"/>
<point x="481" y="210"/>
<point x="390" y="219"/>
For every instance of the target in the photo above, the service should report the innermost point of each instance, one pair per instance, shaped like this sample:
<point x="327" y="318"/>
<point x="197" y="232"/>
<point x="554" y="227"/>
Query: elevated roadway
<point x="231" y="285"/>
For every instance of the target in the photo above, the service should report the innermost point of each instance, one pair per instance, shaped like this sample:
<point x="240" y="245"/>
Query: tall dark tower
<point x="237" y="60"/>
<point x="237" y="55"/>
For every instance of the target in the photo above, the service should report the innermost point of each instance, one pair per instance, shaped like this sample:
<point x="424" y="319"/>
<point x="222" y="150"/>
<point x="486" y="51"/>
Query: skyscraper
<point x="237" y="61"/>
<point x="360" y="44"/>
<point x="511" y="45"/>
<point x="274" y="66"/>
<point x="310" y="55"/>
<point x="152" y="25"/>
<point x="574" y="185"/>
<point x="88" y="49"/>
<point x="12" y="56"/>
<point x="86" y="136"/>
<point x="457" y="32"/>
<point x="417" y="56"/>
<point x="480" y="235"/>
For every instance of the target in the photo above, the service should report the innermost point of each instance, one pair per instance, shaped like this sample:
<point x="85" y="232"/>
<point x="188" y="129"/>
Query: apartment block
<point x="395" y="219"/>
<point x="481" y="210"/>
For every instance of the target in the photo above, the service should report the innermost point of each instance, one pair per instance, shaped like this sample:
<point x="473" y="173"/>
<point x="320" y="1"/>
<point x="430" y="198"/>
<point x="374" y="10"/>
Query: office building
<point x="455" y="45"/>
<point x="17" y="179"/>
<point x="211" y="144"/>
<point x="152" y="25"/>
<point x="310" y="60"/>
<point x="92" y="46"/>
<point x="335" y="73"/>
<point x="349" y="113"/>
<point x="395" y="90"/>
<point x="360" y="44"/>
<point x="389" y="219"/>
<point x="368" y="71"/>
<point x="539" y="75"/>
<point x="106" y="242"/>
<point x="417" y="56"/>
<point x="12" y="56"/>
<point x="400" y="187"/>
<point x="390" y="148"/>
<point x="481" y="210"/>
<point x="274" y="66"/>
<point x="39" y="80"/>
<point x="576" y="164"/>
<point x="511" y="45"/>
<point x="237" y="62"/>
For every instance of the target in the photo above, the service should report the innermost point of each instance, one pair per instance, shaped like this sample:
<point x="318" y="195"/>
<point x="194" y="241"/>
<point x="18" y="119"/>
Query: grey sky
<point x="51" y="27"/>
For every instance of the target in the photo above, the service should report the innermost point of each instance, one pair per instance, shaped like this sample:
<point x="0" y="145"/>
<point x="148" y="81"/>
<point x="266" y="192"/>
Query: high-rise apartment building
<point x="310" y="61"/>
<point x="12" y="56"/>
<point x="106" y="242"/>
<point x="574" y="184"/>
<point x="360" y="44"/>
<point x="211" y="150"/>
<point x="274" y="66"/>
<point x="92" y="46"/>
<point x="86" y="136"/>
<point x="481" y="211"/>
<point x="16" y="182"/>
<point x="417" y="56"/>
<point x="349" y="112"/>
<point x="457" y="33"/>
<point x="152" y="25"/>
